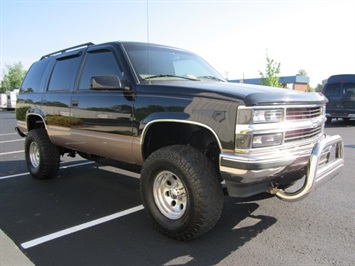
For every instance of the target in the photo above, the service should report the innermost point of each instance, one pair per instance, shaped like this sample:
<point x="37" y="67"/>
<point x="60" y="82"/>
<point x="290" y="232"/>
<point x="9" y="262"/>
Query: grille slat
<point x="300" y="134"/>
<point x="303" y="113"/>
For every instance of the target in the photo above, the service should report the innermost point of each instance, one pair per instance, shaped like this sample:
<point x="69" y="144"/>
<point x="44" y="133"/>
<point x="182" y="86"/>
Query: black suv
<point x="340" y="91"/>
<point x="169" y="115"/>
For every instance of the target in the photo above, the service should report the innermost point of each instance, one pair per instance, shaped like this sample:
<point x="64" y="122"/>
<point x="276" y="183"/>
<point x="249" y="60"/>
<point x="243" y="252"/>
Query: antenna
<point x="148" y="55"/>
<point x="147" y="9"/>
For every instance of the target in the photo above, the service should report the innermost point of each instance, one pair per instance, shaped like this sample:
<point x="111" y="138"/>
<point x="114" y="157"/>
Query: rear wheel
<point x="42" y="156"/>
<point x="181" y="192"/>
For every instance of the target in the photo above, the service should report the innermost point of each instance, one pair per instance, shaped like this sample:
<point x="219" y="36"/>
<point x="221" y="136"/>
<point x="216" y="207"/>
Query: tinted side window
<point x="349" y="89"/>
<point x="63" y="73"/>
<point x="33" y="80"/>
<point x="98" y="63"/>
<point x="333" y="90"/>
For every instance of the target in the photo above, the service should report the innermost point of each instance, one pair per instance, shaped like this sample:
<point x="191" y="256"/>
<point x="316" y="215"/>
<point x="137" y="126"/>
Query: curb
<point x="10" y="254"/>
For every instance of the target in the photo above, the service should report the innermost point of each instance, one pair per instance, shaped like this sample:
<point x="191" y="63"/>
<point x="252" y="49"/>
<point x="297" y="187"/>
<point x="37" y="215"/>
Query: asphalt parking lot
<point x="91" y="214"/>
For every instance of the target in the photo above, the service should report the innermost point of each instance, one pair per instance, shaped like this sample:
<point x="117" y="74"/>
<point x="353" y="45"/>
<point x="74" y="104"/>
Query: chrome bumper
<point x="323" y="161"/>
<point x="323" y="166"/>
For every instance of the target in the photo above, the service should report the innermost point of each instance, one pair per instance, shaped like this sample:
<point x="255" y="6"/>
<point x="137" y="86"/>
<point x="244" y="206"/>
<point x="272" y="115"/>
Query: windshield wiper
<point x="169" y="76"/>
<point x="211" y="77"/>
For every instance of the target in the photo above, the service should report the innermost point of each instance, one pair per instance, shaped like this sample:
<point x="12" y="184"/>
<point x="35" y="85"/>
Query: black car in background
<point x="340" y="91"/>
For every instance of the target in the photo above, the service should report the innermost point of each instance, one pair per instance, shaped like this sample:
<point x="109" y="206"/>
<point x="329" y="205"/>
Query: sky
<point x="234" y="36"/>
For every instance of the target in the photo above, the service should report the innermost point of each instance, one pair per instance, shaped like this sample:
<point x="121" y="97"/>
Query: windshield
<point x="152" y="62"/>
<point x="340" y="89"/>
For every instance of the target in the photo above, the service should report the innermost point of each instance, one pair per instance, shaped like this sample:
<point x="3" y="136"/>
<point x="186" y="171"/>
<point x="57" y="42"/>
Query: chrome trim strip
<point x="36" y="114"/>
<point x="251" y="168"/>
<point x="145" y="129"/>
<point x="280" y="106"/>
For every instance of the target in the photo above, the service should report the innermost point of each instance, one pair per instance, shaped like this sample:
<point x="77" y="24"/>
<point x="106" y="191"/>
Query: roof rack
<point x="67" y="49"/>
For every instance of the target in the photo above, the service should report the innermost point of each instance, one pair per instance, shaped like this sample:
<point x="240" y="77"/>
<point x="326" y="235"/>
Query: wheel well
<point x="34" y="121"/>
<point x="169" y="133"/>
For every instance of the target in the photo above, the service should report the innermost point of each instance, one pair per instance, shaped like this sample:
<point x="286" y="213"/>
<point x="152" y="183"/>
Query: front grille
<point x="297" y="124"/>
<point x="303" y="113"/>
<point x="301" y="134"/>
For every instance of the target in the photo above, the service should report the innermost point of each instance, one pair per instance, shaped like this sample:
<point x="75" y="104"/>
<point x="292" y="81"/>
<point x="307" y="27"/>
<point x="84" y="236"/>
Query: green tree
<point x="320" y="87"/>
<point x="303" y="73"/>
<point x="13" y="78"/>
<point x="272" y="70"/>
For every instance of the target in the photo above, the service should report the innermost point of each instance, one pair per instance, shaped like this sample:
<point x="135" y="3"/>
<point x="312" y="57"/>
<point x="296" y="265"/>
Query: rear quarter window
<point x="349" y="89"/>
<point x="63" y="74"/>
<point x="34" y="80"/>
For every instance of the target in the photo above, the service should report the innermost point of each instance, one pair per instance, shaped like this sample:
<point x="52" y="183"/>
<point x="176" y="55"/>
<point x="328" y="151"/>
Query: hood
<point x="250" y="94"/>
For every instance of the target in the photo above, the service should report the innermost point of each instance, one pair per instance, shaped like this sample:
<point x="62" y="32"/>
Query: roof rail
<point x="67" y="49"/>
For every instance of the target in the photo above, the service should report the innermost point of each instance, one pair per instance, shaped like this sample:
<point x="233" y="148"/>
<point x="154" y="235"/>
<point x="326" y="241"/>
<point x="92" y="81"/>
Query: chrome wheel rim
<point x="34" y="154"/>
<point x="170" y="195"/>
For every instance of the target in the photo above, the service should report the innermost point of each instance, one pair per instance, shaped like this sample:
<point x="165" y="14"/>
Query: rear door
<point x="55" y="102"/>
<point x="104" y="117"/>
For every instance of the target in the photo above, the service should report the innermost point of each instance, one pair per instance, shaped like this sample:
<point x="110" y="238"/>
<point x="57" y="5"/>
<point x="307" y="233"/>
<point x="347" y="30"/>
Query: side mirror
<point x="111" y="82"/>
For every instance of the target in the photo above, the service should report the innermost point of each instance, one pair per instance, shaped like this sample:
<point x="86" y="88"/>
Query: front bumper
<point x="323" y="166"/>
<point x="340" y="114"/>
<point x="246" y="176"/>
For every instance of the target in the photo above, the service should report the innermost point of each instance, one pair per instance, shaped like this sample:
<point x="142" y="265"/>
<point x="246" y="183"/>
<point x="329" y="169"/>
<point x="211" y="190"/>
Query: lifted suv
<point x="168" y="114"/>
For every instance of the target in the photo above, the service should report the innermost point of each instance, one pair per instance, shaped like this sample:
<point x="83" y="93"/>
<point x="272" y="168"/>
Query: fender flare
<point x="171" y="117"/>
<point x="35" y="112"/>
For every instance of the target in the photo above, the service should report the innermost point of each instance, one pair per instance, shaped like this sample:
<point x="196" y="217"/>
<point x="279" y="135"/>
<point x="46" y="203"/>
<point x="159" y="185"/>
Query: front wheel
<point x="42" y="156"/>
<point x="181" y="192"/>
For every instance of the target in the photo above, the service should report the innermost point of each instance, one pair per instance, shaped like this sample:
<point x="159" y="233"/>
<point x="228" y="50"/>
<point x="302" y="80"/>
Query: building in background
<point x="298" y="83"/>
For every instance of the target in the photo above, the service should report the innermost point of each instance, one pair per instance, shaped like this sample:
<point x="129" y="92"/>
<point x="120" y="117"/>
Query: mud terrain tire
<point x="181" y="192"/>
<point x="42" y="156"/>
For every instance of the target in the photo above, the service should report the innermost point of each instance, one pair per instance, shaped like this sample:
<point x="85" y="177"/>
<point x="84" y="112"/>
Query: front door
<point x="104" y="117"/>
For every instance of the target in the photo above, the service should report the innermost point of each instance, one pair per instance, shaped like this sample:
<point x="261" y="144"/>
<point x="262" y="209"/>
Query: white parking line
<point x="79" y="227"/>
<point x="74" y="165"/>
<point x="7" y="141"/>
<point x="83" y="226"/>
<point x="11" y="176"/>
<point x="62" y="167"/>
<point x="11" y="152"/>
<point x="7" y="134"/>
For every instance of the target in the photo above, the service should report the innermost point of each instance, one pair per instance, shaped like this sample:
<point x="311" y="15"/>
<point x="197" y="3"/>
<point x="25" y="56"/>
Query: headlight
<point x="256" y="127"/>
<point x="267" y="140"/>
<point x="267" y="116"/>
<point x="242" y="141"/>
<point x="245" y="141"/>
<point x="257" y="116"/>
